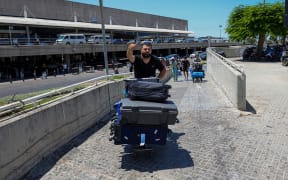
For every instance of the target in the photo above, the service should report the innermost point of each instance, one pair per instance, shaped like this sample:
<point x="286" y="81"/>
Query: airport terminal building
<point x="29" y="29"/>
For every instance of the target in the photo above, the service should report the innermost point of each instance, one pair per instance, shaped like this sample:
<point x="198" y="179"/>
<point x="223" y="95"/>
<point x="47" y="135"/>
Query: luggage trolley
<point x="197" y="73"/>
<point x="142" y="123"/>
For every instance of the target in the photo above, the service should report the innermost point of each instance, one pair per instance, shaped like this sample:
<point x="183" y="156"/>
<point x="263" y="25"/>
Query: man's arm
<point x="162" y="73"/>
<point x="129" y="53"/>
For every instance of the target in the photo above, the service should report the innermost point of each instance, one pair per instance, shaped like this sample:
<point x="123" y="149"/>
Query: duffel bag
<point x="148" y="91"/>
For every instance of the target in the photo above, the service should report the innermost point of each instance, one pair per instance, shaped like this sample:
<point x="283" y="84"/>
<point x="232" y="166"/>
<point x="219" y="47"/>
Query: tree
<point x="259" y="21"/>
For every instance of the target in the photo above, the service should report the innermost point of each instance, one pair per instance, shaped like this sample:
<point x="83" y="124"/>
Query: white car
<point x="71" y="39"/>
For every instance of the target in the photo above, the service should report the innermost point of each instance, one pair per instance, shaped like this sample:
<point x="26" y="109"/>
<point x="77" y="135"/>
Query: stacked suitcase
<point x="139" y="122"/>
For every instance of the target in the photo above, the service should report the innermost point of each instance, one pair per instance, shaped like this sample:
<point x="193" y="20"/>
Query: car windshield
<point x="61" y="37"/>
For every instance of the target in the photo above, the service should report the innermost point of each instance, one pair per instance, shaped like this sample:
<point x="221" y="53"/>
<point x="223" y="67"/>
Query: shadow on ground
<point x="250" y="108"/>
<point x="169" y="156"/>
<point x="47" y="163"/>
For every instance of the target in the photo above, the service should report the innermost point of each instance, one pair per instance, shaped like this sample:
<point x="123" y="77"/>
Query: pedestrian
<point x="174" y="68"/>
<point x="46" y="73"/>
<point x="10" y="70"/>
<point x="22" y="74"/>
<point x="145" y="64"/>
<point x="65" y="68"/>
<point x="54" y="72"/>
<point x="185" y="67"/>
<point x="34" y="74"/>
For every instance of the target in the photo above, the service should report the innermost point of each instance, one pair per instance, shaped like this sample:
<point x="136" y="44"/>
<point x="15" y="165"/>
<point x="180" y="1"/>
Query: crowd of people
<point x="183" y="65"/>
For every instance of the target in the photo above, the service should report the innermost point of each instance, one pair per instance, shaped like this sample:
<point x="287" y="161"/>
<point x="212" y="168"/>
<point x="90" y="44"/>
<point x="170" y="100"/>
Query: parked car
<point x="170" y="40"/>
<point x="157" y="41"/>
<point x="118" y="41"/>
<point x="189" y="40"/>
<point x="179" y="40"/>
<point x="249" y="52"/>
<point x="273" y="53"/>
<point x="222" y="53"/>
<point x="203" y="55"/>
<point x="98" y="39"/>
<point x="176" y="56"/>
<point x="195" y="53"/>
<point x="71" y="39"/>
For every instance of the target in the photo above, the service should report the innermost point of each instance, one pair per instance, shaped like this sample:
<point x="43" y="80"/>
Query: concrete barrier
<point x="229" y="76"/>
<point x="26" y="139"/>
<point x="233" y="51"/>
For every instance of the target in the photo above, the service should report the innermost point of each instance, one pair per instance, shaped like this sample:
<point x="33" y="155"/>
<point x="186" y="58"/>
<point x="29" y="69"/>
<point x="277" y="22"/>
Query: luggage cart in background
<point x="197" y="74"/>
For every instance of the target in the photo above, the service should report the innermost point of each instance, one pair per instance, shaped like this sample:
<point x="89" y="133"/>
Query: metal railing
<point x="227" y="61"/>
<point x="33" y="100"/>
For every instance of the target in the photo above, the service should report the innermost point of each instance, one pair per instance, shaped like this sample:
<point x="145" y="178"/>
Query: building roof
<point x="56" y="23"/>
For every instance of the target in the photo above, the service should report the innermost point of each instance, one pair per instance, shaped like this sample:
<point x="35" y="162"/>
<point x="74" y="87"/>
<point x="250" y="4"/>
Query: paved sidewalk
<point x="212" y="141"/>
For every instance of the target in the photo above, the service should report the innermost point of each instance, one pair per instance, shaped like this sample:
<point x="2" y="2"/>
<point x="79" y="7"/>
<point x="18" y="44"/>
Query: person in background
<point x="174" y="68"/>
<point x="185" y="67"/>
<point x="34" y="73"/>
<point x="22" y="74"/>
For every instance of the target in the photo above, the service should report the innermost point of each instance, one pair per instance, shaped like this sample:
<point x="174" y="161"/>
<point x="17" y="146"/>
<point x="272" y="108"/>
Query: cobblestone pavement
<point x="212" y="141"/>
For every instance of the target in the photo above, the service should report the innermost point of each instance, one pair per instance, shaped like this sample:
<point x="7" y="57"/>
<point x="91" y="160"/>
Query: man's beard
<point x="145" y="55"/>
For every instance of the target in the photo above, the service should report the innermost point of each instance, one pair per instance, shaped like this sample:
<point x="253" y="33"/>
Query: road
<point x="212" y="141"/>
<point x="31" y="85"/>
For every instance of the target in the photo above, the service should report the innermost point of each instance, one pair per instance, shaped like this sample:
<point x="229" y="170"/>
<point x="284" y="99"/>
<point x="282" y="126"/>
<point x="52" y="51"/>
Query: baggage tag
<point x="142" y="140"/>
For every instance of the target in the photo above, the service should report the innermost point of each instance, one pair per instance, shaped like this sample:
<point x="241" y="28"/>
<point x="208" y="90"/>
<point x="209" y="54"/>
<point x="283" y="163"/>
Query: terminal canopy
<point x="83" y="25"/>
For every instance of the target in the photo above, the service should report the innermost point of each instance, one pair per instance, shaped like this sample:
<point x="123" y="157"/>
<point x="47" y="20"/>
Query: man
<point x="174" y="68"/>
<point x="145" y="65"/>
<point x="185" y="67"/>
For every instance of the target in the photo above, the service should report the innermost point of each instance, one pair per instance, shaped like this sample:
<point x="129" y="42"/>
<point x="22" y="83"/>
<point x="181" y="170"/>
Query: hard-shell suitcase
<point x="143" y="134"/>
<point x="148" y="113"/>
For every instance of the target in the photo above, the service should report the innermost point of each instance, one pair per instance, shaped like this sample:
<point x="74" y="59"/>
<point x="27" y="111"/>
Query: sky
<point x="205" y="17"/>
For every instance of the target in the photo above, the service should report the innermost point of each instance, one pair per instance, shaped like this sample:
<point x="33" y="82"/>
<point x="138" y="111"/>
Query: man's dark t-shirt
<point x="142" y="70"/>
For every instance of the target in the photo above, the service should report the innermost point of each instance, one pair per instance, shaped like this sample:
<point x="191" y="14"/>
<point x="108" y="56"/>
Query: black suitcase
<point x="148" y="91"/>
<point x="148" y="113"/>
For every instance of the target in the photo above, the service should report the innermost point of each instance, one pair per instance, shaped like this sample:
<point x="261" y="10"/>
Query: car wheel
<point x="285" y="61"/>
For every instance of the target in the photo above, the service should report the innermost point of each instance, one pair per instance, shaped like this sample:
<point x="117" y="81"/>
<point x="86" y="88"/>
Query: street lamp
<point x="104" y="37"/>
<point x="220" y="26"/>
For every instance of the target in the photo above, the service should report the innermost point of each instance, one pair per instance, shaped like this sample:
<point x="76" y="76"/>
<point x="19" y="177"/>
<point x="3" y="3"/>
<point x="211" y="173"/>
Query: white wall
<point x="26" y="139"/>
<point x="231" y="80"/>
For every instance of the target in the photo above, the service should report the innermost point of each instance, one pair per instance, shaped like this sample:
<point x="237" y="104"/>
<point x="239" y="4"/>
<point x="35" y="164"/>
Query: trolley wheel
<point x="284" y="61"/>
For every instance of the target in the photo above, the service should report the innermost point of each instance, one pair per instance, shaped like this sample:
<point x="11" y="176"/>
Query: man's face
<point x="146" y="51"/>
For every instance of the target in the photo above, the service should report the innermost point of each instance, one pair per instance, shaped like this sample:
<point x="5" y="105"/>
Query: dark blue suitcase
<point x="144" y="134"/>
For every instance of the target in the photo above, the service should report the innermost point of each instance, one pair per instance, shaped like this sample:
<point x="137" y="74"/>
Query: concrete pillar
<point x="169" y="51"/>
<point x="67" y="59"/>
<point x="114" y="56"/>
<point x="28" y="34"/>
<point x="157" y="52"/>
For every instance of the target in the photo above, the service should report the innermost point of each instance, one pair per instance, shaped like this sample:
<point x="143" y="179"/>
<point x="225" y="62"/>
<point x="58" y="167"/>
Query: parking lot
<point x="212" y="141"/>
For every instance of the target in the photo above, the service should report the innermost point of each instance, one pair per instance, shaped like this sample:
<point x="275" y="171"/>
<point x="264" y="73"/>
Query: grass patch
<point x="18" y="97"/>
<point x="27" y="107"/>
